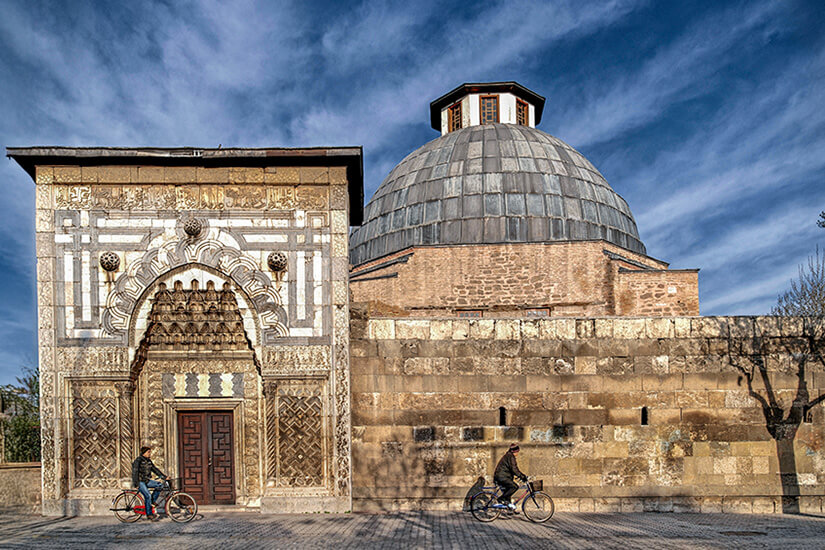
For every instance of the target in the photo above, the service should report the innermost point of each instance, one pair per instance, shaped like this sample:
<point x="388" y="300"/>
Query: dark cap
<point x="514" y="446"/>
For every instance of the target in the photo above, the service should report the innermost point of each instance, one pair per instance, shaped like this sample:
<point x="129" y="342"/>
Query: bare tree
<point x="781" y="422"/>
<point x="806" y="297"/>
<point x="821" y="221"/>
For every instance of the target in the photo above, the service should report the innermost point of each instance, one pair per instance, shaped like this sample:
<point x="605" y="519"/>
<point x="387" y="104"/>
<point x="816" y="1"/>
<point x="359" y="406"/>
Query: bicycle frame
<point x="496" y="489"/>
<point x="164" y="493"/>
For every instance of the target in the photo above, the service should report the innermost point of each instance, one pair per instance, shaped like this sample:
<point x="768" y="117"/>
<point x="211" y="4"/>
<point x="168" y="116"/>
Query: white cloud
<point x="469" y="50"/>
<point x="683" y="69"/>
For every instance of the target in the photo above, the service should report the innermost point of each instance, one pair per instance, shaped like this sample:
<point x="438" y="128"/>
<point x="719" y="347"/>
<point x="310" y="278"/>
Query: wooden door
<point x="206" y="451"/>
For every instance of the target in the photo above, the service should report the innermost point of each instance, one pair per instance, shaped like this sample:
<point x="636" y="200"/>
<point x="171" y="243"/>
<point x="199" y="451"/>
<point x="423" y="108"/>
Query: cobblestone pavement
<point x="225" y="530"/>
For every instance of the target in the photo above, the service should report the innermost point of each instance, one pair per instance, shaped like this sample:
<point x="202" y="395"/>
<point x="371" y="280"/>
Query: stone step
<point x="205" y="508"/>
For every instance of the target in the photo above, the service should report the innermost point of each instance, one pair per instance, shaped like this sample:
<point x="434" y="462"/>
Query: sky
<point x="707" y="117"/>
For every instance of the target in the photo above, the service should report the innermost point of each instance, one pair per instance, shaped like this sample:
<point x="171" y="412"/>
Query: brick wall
<point x="569" y="278"/>
<point x="427" y="393"/>
<point x="666" y="293"/>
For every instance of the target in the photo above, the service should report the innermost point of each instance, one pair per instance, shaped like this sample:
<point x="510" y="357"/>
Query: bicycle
<point x="180" y="507"/>
<point x="537" y="505"/>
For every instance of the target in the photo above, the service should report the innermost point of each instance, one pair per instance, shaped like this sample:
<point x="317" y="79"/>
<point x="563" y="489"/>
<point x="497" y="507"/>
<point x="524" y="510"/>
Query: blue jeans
<point x="144" y="490"/>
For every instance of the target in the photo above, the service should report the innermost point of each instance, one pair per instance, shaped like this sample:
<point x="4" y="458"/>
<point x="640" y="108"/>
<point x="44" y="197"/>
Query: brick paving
<point x="226" y="530"/>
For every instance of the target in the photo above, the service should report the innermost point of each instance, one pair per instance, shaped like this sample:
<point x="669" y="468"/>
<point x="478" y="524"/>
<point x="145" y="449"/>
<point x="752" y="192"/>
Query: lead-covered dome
<point x="493" y="183"/>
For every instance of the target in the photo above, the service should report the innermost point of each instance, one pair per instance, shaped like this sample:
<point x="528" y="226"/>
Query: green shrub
<point x="22" y="438"/>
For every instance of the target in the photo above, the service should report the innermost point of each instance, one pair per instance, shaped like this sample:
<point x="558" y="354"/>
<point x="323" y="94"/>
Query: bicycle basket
<point x="537" y="485"/>
<point x="175" y="483"/>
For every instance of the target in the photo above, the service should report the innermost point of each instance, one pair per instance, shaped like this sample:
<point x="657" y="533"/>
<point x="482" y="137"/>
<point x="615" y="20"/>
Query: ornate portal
<point x="165" y="321"/>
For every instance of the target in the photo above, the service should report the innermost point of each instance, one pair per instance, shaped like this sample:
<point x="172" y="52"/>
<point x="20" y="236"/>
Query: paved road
<point x="226" y="530"/>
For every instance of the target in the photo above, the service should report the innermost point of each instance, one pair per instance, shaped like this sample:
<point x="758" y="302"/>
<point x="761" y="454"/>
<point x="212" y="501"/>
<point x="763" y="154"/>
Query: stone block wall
<point x="586" y="278"/>
<point x="20" y="487"/>
<point x="612" y="414"/>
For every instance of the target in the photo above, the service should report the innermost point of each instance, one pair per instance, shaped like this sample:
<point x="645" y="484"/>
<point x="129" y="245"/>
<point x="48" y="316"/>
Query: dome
<point x="492" y="183"/>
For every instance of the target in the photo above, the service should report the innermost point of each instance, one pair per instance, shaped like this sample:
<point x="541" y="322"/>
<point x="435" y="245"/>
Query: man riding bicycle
<point x="142" y="470"/>
<point x="506" y="470"/>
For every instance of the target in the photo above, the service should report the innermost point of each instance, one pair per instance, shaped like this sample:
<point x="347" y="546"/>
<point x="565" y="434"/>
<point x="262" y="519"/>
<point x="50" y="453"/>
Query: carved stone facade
<point x="157" y="301"/>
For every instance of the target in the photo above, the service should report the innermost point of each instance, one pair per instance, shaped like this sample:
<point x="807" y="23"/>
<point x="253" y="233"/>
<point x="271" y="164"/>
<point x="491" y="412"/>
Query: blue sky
<point x="707" y="117"/>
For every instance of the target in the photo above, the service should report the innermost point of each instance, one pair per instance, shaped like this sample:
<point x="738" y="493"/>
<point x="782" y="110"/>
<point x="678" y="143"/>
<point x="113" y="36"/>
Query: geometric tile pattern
<point x="300" y="437"/>
<point x="94" y="438"/>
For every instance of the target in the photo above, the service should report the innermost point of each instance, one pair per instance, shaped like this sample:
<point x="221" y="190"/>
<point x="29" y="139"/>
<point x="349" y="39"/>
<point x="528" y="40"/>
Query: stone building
<point x="195" y="300"/>
<point x="497" y="218"/>
<point x="209" y="303"/>
<point x="501" y="294"/>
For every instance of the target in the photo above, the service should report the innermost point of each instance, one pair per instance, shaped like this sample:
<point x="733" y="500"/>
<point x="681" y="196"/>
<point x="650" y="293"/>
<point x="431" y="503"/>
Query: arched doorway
<point x="198" y="398"/>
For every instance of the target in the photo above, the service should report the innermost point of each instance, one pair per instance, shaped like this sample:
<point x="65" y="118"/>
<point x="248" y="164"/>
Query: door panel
<point x="192" y="456"/>
<point x="206" y="456"/>
<point x="223" y="480"/>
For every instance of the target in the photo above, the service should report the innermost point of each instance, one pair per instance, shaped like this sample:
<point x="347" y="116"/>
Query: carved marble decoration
<point x="196" y="320"/>
<point x="109" y="261"/>
<point x="277" y="262"/>
<point x="93" y="360"/>
<point x="281" y="198"/>
<point x="193" y="227"/>
<point x="295" y="359"/>
<point x="94" y="435"/>
<point x="199" y="197"/>
<point x="73" y="196"/>
<point x="131" y="285"/>
<point x="125" y="390"/>
<point x="300" y="436"/>
<point x="343" y="419"/>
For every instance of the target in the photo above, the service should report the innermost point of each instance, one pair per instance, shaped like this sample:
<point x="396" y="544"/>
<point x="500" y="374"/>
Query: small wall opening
<point x="644" y="416"/>
<point x="502" y="416"/>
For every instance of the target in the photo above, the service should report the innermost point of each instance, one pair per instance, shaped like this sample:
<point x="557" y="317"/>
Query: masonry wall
<point x="665" y="292"/>
<point x="20" y="487"/>
<point x="568" y="279"/>
<point x="427" y="396"/>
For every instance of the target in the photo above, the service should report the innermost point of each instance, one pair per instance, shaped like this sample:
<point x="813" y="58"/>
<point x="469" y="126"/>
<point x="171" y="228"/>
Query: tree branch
<point x="813" y="403"/>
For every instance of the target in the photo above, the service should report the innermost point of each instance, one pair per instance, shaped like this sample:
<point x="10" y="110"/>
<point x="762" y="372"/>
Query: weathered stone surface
<point x="276" y="345"/>
<point x="579" y="404"/>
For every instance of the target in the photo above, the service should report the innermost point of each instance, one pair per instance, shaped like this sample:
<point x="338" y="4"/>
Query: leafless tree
<point x="806" y="297"/>
<point x="782" y="422"/>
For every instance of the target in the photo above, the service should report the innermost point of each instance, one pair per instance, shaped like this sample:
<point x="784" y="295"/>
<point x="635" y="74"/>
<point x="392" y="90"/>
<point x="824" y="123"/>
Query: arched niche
<point x="130" y="288"/>
<point x="203" y="274"/>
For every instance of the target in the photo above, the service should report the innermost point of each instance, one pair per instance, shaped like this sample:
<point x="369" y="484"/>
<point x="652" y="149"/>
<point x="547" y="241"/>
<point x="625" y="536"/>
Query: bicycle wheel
<point x="181" y="507"/>
<point x="482" y="508"/>
<point x="538" y="507"/>
<point x="124" y="506"/>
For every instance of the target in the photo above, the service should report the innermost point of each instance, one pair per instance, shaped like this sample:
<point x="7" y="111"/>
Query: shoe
<point x="154" y="517"/>
<point x="512" y="508"/>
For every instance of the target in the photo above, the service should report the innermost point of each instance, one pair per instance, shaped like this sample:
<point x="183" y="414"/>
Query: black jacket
<point x="507" y="467"/>
<point x="142" y="469"/>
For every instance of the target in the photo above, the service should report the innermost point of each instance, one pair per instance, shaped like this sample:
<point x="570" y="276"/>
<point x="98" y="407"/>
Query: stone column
<point x="270" y="389"/>
<point x="52" y="449"/>
<point x="125" y="391"/>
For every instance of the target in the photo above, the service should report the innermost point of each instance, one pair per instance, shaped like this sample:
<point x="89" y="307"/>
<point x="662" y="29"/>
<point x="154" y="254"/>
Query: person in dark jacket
<point x="506" y="471"/>
<point x="142" y="470"/>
